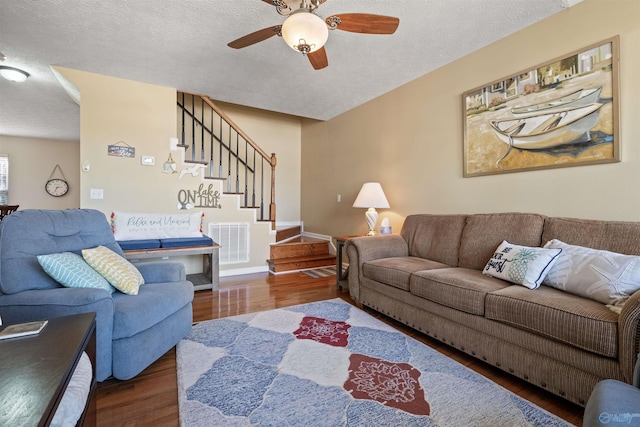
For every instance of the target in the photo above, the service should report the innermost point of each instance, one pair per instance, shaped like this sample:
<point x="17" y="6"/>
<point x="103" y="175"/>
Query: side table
<point x="36" y="371"/>
<point x="341" y="275"/>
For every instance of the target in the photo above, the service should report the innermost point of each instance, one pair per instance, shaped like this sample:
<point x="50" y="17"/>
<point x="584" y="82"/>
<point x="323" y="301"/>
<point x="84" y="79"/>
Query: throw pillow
<point x="521" y="264"/>
<point x="607" y="277"/>
<point x="123" y="275"/>
<point x="71" y="271"/>
<point x="137" y="226"/>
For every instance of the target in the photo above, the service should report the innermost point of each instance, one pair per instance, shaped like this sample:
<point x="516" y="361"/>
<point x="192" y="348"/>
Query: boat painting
<point x="575" y="99"/>
<point x="559" y="113"/>
<point x="546" y="130"/>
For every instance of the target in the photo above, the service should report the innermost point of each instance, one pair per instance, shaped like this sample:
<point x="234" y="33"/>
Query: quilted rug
<point x="331" y="364"/>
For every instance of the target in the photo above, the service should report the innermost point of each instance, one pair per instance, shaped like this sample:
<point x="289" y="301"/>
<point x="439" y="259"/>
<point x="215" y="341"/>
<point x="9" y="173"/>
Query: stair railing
<point x="227" y="153"/>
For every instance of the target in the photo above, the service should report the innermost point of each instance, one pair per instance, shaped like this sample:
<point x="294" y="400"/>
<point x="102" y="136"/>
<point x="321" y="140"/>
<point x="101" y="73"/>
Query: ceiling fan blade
<point x="318" y="59"/>
<point x="256" y="37"/>
<point x="364" y="23"/>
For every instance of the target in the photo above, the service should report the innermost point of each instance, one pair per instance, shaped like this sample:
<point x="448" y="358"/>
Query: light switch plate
<point x="148" y="160"/>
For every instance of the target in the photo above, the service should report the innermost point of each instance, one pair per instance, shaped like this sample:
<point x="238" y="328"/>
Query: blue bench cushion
<point x="178" y="242"/>
<point x="128" y="245"/>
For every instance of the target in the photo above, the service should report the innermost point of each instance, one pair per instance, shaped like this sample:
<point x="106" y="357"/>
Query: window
<point x="4" y="179"/>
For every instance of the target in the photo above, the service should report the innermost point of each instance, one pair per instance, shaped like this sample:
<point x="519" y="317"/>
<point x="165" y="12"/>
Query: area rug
<point x="317" y="273"/>
<point x="331" y="364"/>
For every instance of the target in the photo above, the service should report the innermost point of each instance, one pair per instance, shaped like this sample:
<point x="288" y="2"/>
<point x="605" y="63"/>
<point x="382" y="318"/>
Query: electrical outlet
<point x="96" y="193"/>
<point x="339" y="198"/>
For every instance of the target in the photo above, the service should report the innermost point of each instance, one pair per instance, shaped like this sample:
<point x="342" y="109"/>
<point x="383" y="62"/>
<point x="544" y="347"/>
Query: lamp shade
<point x="371" y="196"/>
<point x="304" y="28"/>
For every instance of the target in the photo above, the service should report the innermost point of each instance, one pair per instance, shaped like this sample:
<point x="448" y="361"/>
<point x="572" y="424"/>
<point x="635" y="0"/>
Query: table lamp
<point x="371" y="197"/>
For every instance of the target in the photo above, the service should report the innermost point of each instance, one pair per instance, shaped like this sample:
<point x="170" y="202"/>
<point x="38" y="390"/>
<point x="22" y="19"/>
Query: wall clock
<point x="57" y="187"/>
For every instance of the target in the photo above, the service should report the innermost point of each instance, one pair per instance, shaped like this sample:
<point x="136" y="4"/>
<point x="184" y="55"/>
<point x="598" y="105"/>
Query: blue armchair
<point x="131" y="331"/>
<point x="614" y="402"/>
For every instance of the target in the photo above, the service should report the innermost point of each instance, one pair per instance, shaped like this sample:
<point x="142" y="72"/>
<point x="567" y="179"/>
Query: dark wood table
<point x="35" y="371"/>
<point x="341" y="275"/>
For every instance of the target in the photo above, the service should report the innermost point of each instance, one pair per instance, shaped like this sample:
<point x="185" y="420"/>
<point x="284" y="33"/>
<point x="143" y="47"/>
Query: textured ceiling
<point x="183" y="44"/>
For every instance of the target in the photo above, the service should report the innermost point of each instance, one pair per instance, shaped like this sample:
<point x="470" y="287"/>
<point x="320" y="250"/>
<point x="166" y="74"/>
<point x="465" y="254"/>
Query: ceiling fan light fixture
<point x="304" y="32"/>
<point x="13" y="74"/>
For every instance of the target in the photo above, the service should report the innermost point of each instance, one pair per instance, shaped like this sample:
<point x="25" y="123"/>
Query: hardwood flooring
<point x="151" y="398"/>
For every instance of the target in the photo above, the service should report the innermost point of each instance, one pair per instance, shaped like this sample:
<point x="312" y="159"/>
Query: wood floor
<point x="151" y="399"/>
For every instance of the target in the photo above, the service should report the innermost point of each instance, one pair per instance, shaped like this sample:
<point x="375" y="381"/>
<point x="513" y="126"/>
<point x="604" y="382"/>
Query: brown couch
<point x="430" y="278"/>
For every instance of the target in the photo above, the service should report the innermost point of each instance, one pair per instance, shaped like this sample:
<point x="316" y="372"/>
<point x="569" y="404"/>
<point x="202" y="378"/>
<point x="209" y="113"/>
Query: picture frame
<point x="561" y="113"/>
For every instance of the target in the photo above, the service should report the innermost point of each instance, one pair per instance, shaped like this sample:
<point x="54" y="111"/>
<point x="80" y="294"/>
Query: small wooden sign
<point x="121" y="150"/>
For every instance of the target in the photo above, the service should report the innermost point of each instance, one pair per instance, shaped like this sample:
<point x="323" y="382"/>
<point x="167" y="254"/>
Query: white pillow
<point x="134" y="226"/>
<point x="603" y="276"/>
<point x="521" y="264"/>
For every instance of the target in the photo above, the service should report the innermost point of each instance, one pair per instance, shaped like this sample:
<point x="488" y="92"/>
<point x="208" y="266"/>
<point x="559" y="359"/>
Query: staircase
<point x="296" y="252"/>
<point x="219" y="147"/>
<point x="218" y="151"/>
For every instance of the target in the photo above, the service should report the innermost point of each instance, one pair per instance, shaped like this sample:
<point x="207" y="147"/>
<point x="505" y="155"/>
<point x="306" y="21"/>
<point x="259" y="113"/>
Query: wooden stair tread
<point x="303" y="258"/>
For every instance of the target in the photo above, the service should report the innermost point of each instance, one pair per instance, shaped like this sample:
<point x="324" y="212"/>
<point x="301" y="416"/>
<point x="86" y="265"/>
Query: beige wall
<point x="31" y="162"/>
<point x="144" y="116"/>
<point x="411" y="138"/>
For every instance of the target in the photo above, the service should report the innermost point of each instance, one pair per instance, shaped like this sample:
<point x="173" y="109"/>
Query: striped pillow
<point x="71" y="271"/>
<point x="123" y="275"/>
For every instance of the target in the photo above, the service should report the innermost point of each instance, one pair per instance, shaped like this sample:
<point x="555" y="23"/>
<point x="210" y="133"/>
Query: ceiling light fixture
<point x="13" y="74"/>
<point x="304" y="32"/>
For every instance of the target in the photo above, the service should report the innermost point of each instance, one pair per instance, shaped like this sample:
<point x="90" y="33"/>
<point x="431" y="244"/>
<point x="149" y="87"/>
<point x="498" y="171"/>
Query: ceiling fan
<point x="306" y="32"/>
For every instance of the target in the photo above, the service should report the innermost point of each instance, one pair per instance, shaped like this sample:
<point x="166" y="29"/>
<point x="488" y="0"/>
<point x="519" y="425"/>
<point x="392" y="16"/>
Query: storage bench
<point x="165" y="248"/>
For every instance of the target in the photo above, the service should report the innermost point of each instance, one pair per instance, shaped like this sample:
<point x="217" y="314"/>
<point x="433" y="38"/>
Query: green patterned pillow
<point x="71" y="271"/>
<point x="123" y="275"/>
<point x="521" y="264"/>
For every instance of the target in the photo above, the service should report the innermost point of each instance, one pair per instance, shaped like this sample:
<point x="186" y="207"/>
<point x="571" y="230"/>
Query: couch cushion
<point x="397" y="270"/>
<point x="614" y="236"/>
<point x="133" y="226"/>
<point x="154" y="303"/>
<point x="122" y="275"/>
<point x="71" y="271"/>
<point x="434" y="237"/>
<point x="128" y="245"/>
<point x="522" y="265"/>
<point x="31" y="232"/>
<point x="178" y="242"/>
<point x="549" y="312"/>
<point x="460" y="288"/>
<point x="484" y="232"/>
<point x="604" y="276"/>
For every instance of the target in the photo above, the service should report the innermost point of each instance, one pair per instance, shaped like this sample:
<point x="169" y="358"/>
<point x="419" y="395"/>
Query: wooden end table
<point x="36" y="371"/>
<point x="341" y="275"/>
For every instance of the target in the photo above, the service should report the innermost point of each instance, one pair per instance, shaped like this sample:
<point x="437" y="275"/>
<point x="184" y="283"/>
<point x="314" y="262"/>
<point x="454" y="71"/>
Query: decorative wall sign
<point x="121" y="149"/>
<point x="557" y="114"/>
<point x="200" y="198"/>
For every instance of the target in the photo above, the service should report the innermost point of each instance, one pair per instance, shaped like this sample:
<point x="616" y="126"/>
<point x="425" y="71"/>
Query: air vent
<point x="233" y="237"/>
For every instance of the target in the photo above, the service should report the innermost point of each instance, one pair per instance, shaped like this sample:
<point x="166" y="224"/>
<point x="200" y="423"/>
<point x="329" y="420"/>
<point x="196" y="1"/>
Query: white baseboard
<point x="241" y="271"/>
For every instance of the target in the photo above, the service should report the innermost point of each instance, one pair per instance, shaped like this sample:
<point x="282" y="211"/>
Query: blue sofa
<point x="131" y="331"/>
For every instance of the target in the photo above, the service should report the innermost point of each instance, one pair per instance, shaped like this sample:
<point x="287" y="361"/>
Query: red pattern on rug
<point x="325" y="331"/>
<point x="392" y="384"/>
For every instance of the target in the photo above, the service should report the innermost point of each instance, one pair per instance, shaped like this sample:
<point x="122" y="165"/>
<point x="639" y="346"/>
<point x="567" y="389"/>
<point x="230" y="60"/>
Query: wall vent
<point x="233" y="237"/>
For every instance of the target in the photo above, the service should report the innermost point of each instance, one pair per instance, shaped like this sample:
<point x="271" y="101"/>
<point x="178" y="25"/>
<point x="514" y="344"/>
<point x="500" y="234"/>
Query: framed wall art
<point x="561" y="113"/>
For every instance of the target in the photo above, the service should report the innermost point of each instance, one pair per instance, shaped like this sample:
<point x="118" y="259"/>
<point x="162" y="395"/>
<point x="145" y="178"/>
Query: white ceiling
<point x="183" y="44"/>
